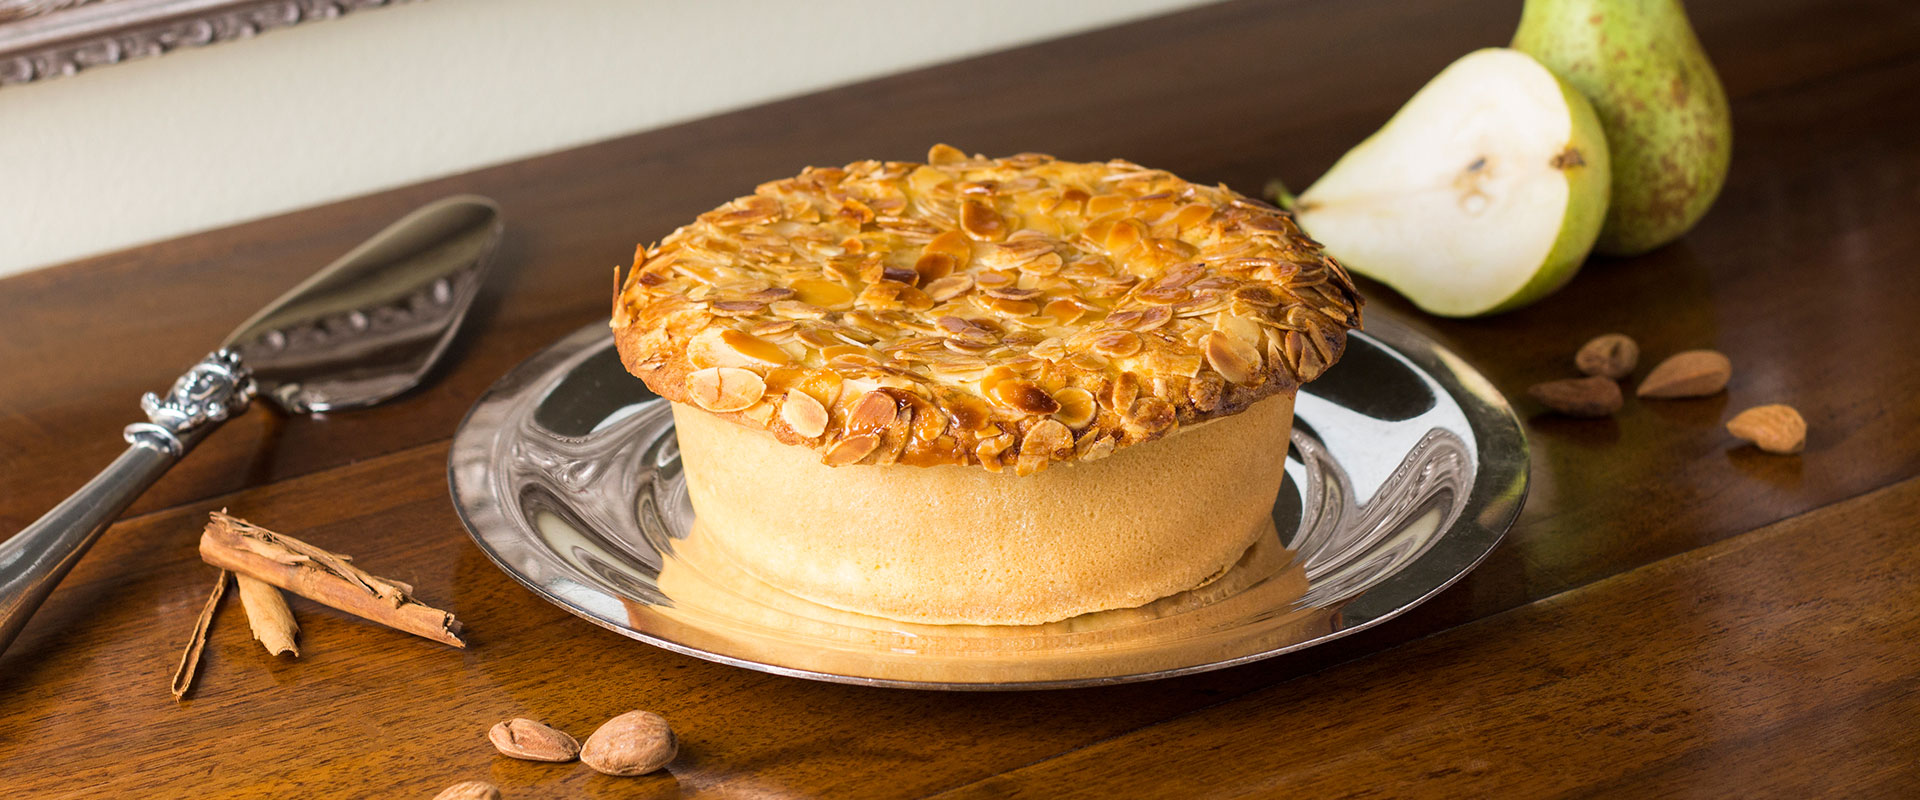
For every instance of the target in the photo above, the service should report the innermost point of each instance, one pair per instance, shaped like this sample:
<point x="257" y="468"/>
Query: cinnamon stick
<point x="190" y="660"/>
<point x="268" y="615"/>
<point x="322" y="576"/>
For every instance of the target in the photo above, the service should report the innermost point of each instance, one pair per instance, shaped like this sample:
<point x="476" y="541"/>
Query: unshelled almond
<point x="1579" y="397"/>
<point x="533" y="741"/>
<point x="1774" y="428"/>
<point x="634" y="743"/>
<point x="469" y="790"/>
<point x="1612" y="355"/>
<point x="1694" y="373"/>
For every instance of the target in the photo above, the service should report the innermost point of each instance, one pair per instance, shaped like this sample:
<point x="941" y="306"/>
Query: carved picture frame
<point x="41" y="39"/>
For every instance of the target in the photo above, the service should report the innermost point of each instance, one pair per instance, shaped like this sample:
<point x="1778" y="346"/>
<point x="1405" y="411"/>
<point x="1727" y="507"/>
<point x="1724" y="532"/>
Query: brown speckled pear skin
<point x="1668" y="127"/>
<point x="1007" y="313"/>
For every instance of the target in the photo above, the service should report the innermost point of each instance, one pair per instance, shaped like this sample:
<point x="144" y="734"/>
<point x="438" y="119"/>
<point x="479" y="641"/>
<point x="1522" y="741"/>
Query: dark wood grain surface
<point x="1674" y="614"/>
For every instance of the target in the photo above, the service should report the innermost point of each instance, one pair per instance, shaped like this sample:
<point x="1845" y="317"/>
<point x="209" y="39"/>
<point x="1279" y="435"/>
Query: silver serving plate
<point x="1406" y="468"/>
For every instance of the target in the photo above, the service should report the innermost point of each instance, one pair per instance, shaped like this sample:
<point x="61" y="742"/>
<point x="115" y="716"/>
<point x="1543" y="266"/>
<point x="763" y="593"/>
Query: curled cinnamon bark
<point x="190" y="660"/>
<point x="268" y="615"/>
<point x="322" y="576"/>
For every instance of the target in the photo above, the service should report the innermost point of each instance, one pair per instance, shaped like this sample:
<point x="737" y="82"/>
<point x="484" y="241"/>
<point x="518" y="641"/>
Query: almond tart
<point x="983" y="391"/>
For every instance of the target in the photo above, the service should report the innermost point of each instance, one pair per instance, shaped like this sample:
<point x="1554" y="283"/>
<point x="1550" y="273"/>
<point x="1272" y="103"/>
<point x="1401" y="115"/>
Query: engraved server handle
<point x="34" y="560"/>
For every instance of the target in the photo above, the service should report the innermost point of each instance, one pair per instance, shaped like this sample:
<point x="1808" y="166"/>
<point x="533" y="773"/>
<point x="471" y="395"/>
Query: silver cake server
<point x="364" y="329"/>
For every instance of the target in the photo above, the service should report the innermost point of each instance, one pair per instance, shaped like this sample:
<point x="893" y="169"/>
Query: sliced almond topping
<point x="981" y="222"/>
<point x="1011" y="308"/>
<point x="1125" y="236"/>
<point x="723" y="389"/>
<point x="966" y="331"/>
<point x="926" y="180"/>
<point x="1102" y="205"/>
<point x="749" y="349"/>
<point x="1076" y="407"/>
<point x="1262" y="296"/>
<point x="954" y="245"/>
<point x="932" y="267"/>
<point x="825" y="294"/>
<point x="1116" y="344"/>
<point x="1233" y="350"/>
<point x="794" y="309"/>
<point x="969" y="413"/>
<point x="1064" y="311"/>
<point x="1094" y="448"/>
<point x="850" y="450"/>
<point x="949" y="287"/>
<point x="964" y="302"/>
<point x="803" y="414"/>
<point x="1152" y="318"/>
<point x="988" y="451"/>
<point x="1023" y="396"/>
<point x="873" y="411"/>
<point x="1120" y="392"/>
<point x="1011" y="293"/>
<point x="1047" y="441"/>
<point x="1192" y="215"/>
<point x="944" y="155"/>
<point x="1049" y="264"/>
<point x="1162" y="295"/>
<point x="882" y="296"/>
<point x="774" y="328"/>
<point x="1150" y="416"/>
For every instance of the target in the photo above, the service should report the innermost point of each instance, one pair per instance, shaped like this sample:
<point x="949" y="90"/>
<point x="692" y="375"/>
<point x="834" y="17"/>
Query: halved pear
<point x="1482" y="194"/>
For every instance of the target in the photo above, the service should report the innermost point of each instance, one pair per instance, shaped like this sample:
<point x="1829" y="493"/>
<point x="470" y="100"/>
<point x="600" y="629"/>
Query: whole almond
<point x="1611" y="355"/>
<point x="1694" y="373"/>
<point x="1773" y="428"/>
<point x="533" y="741"/>
<point x="469" y="790"/>
<point x="634" y="743"/>
<point x="1579" y="397"/>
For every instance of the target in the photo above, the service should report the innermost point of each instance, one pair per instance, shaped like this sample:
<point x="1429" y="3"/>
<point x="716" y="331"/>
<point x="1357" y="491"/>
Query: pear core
<point x="1483" y="193"/>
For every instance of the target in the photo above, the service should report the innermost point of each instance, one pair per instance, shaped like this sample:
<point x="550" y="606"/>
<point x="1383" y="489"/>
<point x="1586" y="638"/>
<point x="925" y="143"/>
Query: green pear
<point x="1659" y="99"/>
<point x="1482" y="194"/>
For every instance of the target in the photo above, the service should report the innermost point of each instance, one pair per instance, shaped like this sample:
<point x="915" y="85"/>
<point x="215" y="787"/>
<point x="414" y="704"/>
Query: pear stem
<point x="1277" y="192"/>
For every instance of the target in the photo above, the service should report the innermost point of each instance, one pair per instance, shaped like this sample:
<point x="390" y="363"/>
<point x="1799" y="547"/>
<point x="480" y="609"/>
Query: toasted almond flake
<point x="794" y="309"/>
<point x="1046" y="442"/>
<point x="949" y="287"/>
<point x="825" y="294"/>
<point x="872" y="411"/>
<point x="724" y="389"/>
<point x="1011" y="308"/>
<point x="941" y="155"/>
<point x="1116" y="344"/>
<point x="932" y="267"/>
<point x="850" y="450"/>
<point x="981" y="221"/>
<point x="1094" y="449"/>
<point x="803" y="414"/>
<point x="1076" y="407"/>
<point x="1233" y="350"/>
<point x="752" y="350"/>
<point x="1023" y="396"/>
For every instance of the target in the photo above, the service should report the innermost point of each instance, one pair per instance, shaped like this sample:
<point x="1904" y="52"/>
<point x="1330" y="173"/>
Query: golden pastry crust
<point x="1011" y="312"/>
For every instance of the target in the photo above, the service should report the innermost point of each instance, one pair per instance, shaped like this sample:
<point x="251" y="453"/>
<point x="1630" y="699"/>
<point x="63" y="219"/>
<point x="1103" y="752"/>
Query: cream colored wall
<point x="198" y="139"/>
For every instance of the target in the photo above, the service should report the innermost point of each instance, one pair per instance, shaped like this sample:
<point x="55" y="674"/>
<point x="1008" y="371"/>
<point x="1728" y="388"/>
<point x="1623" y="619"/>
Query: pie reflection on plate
<point x="1406" y="467"/>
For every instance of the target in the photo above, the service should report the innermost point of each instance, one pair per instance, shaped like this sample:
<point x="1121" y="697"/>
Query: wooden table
<point x="1674" y="613"/>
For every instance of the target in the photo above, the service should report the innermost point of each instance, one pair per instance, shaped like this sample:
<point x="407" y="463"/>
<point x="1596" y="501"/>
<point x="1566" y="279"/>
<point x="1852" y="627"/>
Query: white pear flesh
<point x="1484" y="193"/>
